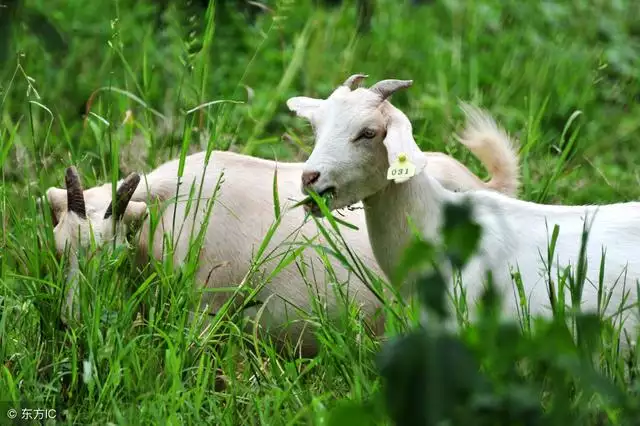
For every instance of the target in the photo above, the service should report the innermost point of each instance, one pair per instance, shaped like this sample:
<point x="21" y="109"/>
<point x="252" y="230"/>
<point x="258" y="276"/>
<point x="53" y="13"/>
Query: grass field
<point x="561" y="76"/>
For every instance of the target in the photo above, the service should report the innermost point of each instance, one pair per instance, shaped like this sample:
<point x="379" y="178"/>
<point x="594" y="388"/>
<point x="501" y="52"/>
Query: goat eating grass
<point x="361" y="139"/>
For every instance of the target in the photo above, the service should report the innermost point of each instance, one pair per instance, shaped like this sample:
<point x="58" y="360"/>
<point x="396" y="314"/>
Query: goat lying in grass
<point x="239" y="221"/>
<point x="351" y="159"/>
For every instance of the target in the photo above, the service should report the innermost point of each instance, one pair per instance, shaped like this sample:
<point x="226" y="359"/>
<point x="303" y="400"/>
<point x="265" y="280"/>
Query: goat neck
<point x="394" y="212"/>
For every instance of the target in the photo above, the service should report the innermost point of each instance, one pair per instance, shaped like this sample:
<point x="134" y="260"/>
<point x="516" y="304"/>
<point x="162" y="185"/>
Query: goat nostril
<point x="309" y="178"/>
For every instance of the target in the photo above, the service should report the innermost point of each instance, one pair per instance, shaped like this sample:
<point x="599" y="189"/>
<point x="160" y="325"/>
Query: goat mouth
<point x="310" y="206"/>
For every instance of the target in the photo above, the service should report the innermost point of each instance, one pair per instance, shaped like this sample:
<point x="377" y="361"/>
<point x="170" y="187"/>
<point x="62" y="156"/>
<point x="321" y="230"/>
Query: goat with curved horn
<point x="354" y="81"/>
<point x="75" y="197"/>
<point x="123" y="196"/>
<point x="386" y="88"/>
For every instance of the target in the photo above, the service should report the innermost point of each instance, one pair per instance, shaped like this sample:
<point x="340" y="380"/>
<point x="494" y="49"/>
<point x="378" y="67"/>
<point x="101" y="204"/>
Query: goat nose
<point x="309" y="178"/>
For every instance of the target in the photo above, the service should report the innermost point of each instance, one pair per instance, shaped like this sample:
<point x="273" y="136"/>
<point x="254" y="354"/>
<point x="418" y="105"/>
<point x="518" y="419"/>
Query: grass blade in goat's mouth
<point x="307" y="200"/>
<point x="327" y="195"/>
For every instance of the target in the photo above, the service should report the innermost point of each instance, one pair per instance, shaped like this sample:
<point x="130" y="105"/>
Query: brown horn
<point x="386" y="88"/>
<point x="75" y="198"/>
<point x="353" y="82"/>
<point x="123" y="196"/>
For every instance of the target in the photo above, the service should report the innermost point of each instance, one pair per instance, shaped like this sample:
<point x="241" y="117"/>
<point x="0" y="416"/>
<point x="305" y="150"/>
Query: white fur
<point x="242" y="213"/>
<point x="515" y="233"/>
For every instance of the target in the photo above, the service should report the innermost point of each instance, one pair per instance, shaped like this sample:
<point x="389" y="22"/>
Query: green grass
<point x="562" y="76"/>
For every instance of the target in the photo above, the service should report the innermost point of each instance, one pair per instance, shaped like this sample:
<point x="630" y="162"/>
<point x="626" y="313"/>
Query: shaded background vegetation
<point x="531" y="64"/>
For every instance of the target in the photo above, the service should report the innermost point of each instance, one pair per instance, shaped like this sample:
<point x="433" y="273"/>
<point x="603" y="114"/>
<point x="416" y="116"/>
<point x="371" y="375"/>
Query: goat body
<point x="515" y="234"/>
<point x="241" y="217"/>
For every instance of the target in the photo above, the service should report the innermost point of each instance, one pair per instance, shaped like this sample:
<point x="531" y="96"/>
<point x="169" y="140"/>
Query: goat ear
<point x="135" y="212"/>
<point x="399" y="140"/>
<point x="303" y="106"/>
<point x="57" y="199"/>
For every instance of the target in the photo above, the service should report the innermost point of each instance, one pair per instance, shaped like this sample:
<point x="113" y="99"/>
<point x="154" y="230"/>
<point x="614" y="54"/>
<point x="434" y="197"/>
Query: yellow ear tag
<point x="401" y="170"/>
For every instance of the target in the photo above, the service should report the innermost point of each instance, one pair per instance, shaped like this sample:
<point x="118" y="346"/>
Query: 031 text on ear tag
<point x="401" y="170"/>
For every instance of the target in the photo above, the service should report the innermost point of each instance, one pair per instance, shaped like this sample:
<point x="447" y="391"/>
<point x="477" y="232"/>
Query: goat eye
<point x="367" y="134"/>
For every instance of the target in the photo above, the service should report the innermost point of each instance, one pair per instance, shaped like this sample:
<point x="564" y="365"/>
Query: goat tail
<point x="493" y="147"/>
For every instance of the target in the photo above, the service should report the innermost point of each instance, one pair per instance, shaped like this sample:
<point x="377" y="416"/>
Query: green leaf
<point x="352" y="413"/>
<point x="402" y="364"/>
<point x="428" y="379"/>
<point x="276" y="198"/>
<point x="461" y="234"/>
<point x="418" y="253"/>
<point x="589" y="328"/>
<point x="432" y="289"/>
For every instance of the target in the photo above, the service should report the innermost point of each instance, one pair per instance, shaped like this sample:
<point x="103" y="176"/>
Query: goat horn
<point x="75" y="198"/>
<point x="354" y="81"/>
<point x="123" y="196"/>
<point x="386" y="88"/>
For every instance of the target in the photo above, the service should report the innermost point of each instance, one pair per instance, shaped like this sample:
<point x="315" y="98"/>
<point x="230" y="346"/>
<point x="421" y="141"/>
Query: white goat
<point x="360" y="135"/>
<point x="241" y="215"/>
